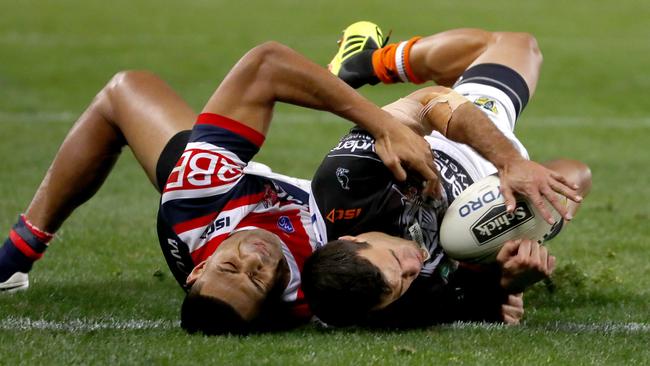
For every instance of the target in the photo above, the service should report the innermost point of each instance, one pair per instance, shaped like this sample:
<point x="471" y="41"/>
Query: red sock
<point x="28" y="239"/>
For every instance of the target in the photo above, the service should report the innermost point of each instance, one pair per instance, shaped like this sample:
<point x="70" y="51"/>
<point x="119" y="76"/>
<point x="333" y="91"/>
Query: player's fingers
<point x="427" y="168"/>
<point x="524" y="251"/>
<point x="516" y="299"/>
<point x="512" y="314"/>
<point x="556" y="202"/>
<point x="508" y="319"/>
<point x="551" y="264"/>
<point x="566" y="191"/>
<point x="535" y="252"/>
<point x="509" y="249"/>
<point x="543" y="260"/>
<point x="508" y="197"/>
<point x="562" y="179"/>
<point x="393" y="164"/>
<point x="539" y="202"/>
<point x="432" y="182"/>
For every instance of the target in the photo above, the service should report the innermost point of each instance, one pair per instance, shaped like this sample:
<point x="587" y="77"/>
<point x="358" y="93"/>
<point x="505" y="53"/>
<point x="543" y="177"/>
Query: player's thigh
<point x="148" y="113"/>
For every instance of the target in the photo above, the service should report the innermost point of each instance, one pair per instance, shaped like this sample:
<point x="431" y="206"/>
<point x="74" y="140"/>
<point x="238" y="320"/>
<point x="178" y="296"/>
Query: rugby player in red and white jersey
<point x="235" y="236"/>
<point x="227" y="234"/>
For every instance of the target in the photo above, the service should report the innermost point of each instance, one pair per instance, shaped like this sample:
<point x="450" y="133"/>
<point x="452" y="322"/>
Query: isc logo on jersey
<point x="203" y="168"/>
<point x="476" y="225"/>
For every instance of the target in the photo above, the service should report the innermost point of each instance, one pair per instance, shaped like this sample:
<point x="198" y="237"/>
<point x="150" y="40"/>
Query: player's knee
<point x="128" y="79"/>
<point x="530" y="42"/>
<point x="121" y="84"/>
<point x="576" y="172"/>
<point x="265" y="54"/>
<point x="580" y="175"/>
<point x="524" y="41"/>
<point x="583" y="173"/>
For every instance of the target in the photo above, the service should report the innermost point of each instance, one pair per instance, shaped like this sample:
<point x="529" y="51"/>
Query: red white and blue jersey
<point x="213" y="191"/>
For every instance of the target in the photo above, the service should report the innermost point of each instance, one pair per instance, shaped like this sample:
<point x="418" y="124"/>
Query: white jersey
<point x="459" y="164"/>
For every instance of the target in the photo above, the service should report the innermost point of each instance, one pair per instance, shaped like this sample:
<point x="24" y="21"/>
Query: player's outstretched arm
<point x="459" y="120"/>
<point x="442" y="58"/>
<point x="272" y="73"/>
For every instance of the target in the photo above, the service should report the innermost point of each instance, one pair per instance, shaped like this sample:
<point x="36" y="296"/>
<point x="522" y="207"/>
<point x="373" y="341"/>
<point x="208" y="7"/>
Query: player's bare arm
<point x="459" y="120"/>
<point x="442" y="58"/>
<point x="273" y="72"/>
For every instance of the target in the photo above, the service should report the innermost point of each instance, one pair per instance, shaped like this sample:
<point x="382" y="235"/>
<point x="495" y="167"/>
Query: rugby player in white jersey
<point x="234" y="236"/>
<point x="358" y="279"/>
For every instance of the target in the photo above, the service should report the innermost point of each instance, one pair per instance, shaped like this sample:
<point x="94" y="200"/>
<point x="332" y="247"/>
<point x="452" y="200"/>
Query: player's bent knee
<point x="129" y="79"/>
<point x="581" y="175"/>
<point x="522" y="40"/>
<point x="584" y="177"/>
<point x="576" y="172"/>
<point x="265" y="54"/>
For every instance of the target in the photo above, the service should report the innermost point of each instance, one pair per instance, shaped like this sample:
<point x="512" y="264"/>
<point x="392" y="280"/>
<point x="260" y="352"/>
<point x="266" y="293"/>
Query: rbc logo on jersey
<point x="285" y="224"/>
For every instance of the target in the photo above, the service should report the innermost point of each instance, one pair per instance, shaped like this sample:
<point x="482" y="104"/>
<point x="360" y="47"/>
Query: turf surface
<point x="103" y="293"/>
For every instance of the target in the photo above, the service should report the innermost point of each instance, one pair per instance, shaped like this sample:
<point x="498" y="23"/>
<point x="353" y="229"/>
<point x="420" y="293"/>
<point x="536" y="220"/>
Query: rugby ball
<point x="476" y="224"/>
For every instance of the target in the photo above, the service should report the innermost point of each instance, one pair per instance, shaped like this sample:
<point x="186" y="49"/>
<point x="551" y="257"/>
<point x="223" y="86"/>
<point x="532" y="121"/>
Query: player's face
<point x="399" y="260"/>
<point x="243" y="270"/>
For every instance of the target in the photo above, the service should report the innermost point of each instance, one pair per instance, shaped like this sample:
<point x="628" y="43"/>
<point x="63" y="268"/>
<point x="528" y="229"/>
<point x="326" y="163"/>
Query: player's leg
<point x="364" y="58"/>
<point x="134" y="108"/>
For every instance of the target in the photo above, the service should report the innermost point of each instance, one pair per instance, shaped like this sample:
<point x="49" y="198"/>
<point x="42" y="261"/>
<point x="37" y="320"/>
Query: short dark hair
<point x="210" y="315"/>
<point x="341" y="287"/>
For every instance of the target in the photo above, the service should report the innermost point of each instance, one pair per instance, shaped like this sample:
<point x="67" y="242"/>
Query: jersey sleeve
<point x="209" y="173"/>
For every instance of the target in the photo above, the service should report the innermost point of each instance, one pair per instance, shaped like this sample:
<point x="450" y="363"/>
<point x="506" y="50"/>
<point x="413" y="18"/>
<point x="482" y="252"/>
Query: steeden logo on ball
<point x="497" y="221"/>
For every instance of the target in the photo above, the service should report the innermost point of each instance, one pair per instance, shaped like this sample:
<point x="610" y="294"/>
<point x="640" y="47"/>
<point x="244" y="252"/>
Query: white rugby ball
<point x="476" y="224"/>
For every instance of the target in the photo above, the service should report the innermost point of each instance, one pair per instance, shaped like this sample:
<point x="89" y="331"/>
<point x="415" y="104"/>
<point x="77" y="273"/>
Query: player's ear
<point x="196" y="273"/>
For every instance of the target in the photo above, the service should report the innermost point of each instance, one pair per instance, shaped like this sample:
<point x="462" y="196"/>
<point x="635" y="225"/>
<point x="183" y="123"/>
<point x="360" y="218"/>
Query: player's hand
<point x="538" y="183"/>
<point x="513" y="310"/>
<point x="523" y="262"/>
<point x="400" y="148"/>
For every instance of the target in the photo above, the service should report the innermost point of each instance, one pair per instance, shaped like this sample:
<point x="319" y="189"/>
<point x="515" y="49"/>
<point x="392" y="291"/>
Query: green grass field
<point x="104" y="295"/>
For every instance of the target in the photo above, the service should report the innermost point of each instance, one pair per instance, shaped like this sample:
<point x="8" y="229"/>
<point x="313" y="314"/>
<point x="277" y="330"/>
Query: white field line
<point x="39" y="117"/>
<point x="85" y="325"/>
<point x="310" y="117"/>
<point x="33" y="39"/>
<point x="608" y="328"/>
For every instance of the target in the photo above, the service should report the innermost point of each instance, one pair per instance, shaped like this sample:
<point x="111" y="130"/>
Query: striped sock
<point x="25" y="244"/>
<point x="391" y="63"/>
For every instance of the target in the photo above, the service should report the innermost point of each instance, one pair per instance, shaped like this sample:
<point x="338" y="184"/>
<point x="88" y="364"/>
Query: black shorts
<point x="169" y="157"/>
<point x="175" y="252"/>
